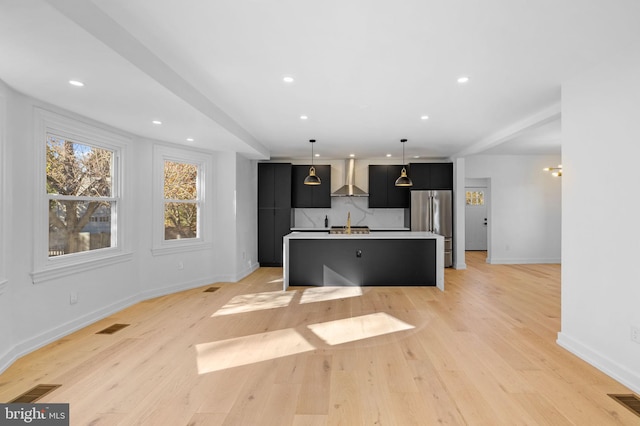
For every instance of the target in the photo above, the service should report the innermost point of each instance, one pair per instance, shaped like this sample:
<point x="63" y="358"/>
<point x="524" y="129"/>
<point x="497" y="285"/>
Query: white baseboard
<point x="611" y="368"/>
<point x="247" y="271"/>
<point x="42" y="339"/>
<point x="46" y="337"/>
<point x="521" y="261"/>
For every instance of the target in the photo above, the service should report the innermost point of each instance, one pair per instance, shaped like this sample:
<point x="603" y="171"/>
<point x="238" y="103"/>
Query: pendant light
<point x="312" y="179"/>
<point x="403" y="180"/>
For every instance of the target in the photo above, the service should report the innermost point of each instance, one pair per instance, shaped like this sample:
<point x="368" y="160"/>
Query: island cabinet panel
<point x="431" y="175"/>
<point x="311" y="196"/>
<point x="274" y="211"/>
<point x="362" y="262"/>
<point x="383" y="193"/>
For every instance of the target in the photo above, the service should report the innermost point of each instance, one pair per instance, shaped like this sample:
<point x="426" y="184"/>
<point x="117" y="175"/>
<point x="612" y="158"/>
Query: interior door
<point x="475" y="219"/>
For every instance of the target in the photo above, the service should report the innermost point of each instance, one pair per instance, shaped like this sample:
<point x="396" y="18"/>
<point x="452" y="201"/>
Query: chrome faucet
<point x="348" y="222"/>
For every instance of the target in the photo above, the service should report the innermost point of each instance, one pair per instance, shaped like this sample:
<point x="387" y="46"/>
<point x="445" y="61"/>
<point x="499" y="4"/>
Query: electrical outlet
<point x="73" y="298"/>
<point x="180" y="265"/>
<point x="635" y="334"/>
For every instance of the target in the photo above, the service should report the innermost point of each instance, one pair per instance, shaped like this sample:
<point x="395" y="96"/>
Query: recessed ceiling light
<point x="388" y="155"/>
<point x="157" y="122"/>
<point x="76" y="83"/>
<point x="189" y="139"/>
<point x="424" y="117"/>
<point x="352" y="155"/>
<point x="303" y="117"/>
<point x="463" y="79"/>
<point x="416" y="156"/>
<point x="317" y="155"/>
<point x="287" y="79"/>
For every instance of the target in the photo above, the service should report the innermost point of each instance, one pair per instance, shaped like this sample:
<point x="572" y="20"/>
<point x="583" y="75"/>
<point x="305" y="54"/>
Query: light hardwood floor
<point x="481" y="353"/>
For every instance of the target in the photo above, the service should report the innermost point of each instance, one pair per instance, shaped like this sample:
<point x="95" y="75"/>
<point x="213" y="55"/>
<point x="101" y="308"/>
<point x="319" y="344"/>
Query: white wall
<point x="246" y="215"/>
<point x="524" y="208"/>
<point x="32" y="315"/>
<point x="601" y="230"/>
<point x="6" y="335"/>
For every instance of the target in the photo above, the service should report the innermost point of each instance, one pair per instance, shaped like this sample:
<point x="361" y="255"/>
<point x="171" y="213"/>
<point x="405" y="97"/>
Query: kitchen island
<point x="402" y="258"/>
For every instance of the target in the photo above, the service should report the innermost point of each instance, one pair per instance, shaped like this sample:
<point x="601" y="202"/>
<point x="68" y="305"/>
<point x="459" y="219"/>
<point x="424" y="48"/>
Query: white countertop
<point x="389" y="235"/>
<point x="303" y="229"/>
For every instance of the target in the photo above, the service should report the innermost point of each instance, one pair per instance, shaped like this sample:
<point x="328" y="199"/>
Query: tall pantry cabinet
<point x="274" y="211"/>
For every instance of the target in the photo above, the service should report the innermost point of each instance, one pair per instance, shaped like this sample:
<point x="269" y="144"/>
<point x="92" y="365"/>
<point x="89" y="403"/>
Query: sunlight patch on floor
<point x="358" y="328"/>
<point x="323" y="294"/>
<point x="215" y="356"/>
<point x="256" y="302"/>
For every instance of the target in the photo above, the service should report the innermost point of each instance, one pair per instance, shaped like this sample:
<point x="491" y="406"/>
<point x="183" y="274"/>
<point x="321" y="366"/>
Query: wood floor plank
<point x="483" y="352"/>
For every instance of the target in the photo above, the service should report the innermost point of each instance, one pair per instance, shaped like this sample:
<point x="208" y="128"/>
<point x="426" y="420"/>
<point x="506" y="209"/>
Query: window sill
<point x="55" y="272"/>
<point x="180" y="248"/>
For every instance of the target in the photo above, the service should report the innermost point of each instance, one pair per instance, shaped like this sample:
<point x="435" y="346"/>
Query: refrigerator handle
<point x="431" y="222"/>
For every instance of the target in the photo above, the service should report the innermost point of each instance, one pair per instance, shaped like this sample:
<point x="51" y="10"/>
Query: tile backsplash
<point x="361" y="215"/>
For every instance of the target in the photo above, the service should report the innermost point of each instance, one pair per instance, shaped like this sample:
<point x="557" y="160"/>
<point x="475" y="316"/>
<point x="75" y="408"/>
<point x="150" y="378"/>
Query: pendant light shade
<point x="312" y="179"/>
<point x="403" y="180"/>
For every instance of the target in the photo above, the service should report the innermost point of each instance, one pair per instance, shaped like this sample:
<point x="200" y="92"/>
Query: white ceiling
<point x="365" y="70"/>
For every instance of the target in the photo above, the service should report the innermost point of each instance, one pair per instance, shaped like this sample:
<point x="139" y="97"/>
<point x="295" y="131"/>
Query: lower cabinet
<point x="273" y="224"/>
<point x="362" y="262"/>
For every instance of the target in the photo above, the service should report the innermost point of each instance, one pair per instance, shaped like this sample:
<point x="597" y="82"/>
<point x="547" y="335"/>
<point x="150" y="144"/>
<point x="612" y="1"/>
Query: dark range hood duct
<point x="349" y="189"/>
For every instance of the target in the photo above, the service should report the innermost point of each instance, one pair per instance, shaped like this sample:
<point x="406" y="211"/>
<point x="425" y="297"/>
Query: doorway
<point x="476" y="214"/>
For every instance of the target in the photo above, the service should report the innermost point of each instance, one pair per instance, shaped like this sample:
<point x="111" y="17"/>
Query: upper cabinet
<point x="431" y="175"/>
<point x="274" y="185"/>
<point x="383" y="193"/>
<point x="310" y="196"/>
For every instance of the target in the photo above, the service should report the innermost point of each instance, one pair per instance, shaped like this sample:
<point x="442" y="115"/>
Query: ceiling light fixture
<point x="555" y="171"/>
<point x="424" y="117"/>
<point x="312" y="179"/>
<point x="388" y="155"/>
<point x="76" y="83"/>
<point x="157" y="122"/>
<point x="288" y="79"/>
<point x="463" y="80"/>
<point x="403" y="180"/>
<point x="189" y="139"/>
<point x="303" y="117"/>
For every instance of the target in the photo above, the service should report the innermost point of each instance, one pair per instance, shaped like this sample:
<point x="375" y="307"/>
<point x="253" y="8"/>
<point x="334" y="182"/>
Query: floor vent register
<point x="34" y="394"/>
<point x="112" y="329"/>
<point x="630" y="401"/>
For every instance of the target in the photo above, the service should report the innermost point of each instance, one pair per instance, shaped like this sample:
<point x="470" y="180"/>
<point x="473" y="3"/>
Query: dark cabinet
<point x="311" y="196"/>
<point x="274" y="211"/>
<point x="383" y="193"/>
<point x="431" y="175"/>
<point x="274" y="185"/>
<point x="356" y="262"/>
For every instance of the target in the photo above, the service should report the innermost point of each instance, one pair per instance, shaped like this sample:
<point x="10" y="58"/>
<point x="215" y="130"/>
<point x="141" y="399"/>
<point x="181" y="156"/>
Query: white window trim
<point x="47" y="268"/>
<point x="162" y="153"/>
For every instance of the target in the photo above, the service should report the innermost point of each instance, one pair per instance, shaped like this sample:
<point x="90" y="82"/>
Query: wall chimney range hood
<point x="349" y="189"/>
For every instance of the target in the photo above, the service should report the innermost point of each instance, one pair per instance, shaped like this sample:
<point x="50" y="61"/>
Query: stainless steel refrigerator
<point x="432" y="211"/>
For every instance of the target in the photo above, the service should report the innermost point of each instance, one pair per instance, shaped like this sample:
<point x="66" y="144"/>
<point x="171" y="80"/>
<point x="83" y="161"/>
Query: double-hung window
<point x="79" y="220"/>
<point x="181" y="200"/>
<point x="81" y="197"/>
<point x="181" y="213"/>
